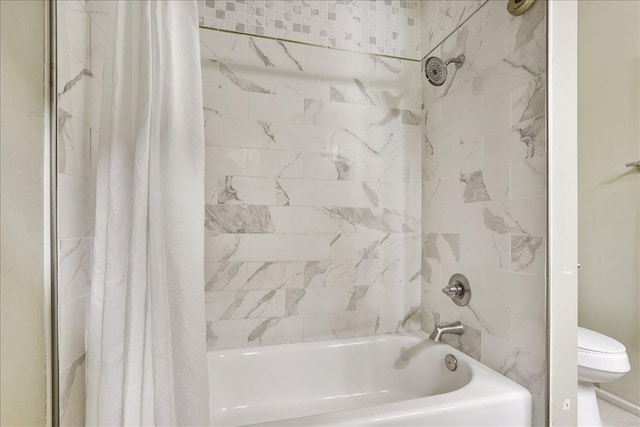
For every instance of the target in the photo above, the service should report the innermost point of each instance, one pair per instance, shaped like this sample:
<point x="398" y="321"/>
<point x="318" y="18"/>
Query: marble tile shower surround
<point x="80" y="55"/>
<point x="390" y="27"/>
<point x="484" y="190"/>
<point x="316" y="162"/>
<point x="313" y="191"/>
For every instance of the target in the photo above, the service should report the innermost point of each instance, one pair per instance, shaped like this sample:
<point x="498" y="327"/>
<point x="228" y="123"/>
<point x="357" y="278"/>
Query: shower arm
<point x="459" y="60"/>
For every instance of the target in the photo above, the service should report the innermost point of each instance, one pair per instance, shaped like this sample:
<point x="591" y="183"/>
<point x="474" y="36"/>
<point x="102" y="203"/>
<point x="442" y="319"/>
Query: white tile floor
<point x="612" y="416"/>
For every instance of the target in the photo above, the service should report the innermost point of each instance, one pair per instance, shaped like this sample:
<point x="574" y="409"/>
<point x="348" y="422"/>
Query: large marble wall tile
<point x="76" y="207"/>
<point x="400" y="298"/>
<point x="280" y="55"/>
<point x="517" y="216"/>
<point x="274" y="136"/>
<point x="73" y="53"/>
<point x="226" y="161"/>
<point x="443" y="192"/>
<point x="469" y="343"/>
<point x="402" y="196"/>
<point x="79" y="93"/>
<point x="72" y="392"/>
<point x="521" y="292"/>
<point x="384" y="70"/>
<point x="250" y="304"/>
<point x="95" y="143"/>
<point x="296" y="192"/>
<point x="355" y="246"/>
<point x="354" y="323"/>
<point x="71" y="331"/>
<point x="379" y="219"/>
<point x="330" y="63"/>
<point x="529" y="101"/>
<point x="275" y="275"/>
<point x="221" y="46"/>
<point x="300" y="219"/>
<point x="338" y="115"/>
<point x="354" y="194"/>
<point x="270" y="108"/>
<point x="234" y="218"/>
<point x="211" y="189"/>
<point x="441" y="17"/>
<point x="100" y="25"/>
<point x="318" y="327"/>
<point x="74" y="269"/>
<point x="528" y="331"/>
<point x="74" y="146"/>
<point x="497" y="174"/>
<point x="225" y="103"/>
<point x="329" y="166"/>
<point x="101" y="13"/>
<point x="277" y="330"/>
<point x="529" y="178"/>
<point x="74" y="22"/>
<point x="229" y="333"/>
<point x="443" y="247"/>
<point x="225" y="276"/>
<point x="524" y="367"/>
<point x="275" y="163"/>
<point x="301" y="247"/>
<point x="246" y="190"/>
<point x="329" y="273"/>
<point x="528" y="254"/>
<point x="210" y="76"/>
<point x="247" y="78"/>
<point x="239" y="247"/>
<point x="211" y="127"/>
<point x="318" y="300"/>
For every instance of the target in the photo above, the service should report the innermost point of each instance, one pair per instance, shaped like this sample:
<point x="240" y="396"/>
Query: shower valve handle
<point x="458" y="290"/>
<point x="454" y="290"/>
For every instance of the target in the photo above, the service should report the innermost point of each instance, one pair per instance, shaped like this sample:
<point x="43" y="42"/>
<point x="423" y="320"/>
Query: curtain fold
<point x="146" y="348"/>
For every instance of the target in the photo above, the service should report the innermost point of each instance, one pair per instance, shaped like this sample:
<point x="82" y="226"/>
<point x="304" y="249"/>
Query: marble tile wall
<point x="390" y="27"/>
<point x="81" y="37"/>
<point x="484" y="191"/>
<point x="312" y="191"/>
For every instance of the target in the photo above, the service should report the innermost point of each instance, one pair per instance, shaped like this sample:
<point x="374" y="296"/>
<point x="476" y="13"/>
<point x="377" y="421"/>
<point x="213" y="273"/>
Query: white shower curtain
<point x="146" y="348"/>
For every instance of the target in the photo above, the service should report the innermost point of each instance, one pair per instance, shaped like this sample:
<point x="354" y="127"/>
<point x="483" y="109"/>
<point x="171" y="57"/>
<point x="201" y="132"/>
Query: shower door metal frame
<point x="51" y="105"/>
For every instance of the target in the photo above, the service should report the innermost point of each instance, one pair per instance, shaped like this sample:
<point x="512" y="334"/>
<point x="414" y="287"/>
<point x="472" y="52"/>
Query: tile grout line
<point x="381" y="55"/>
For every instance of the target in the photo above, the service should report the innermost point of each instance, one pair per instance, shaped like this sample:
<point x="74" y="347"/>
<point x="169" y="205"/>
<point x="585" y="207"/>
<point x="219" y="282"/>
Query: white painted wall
<point x="23" y="212"/>
<point x="609" y="214"/>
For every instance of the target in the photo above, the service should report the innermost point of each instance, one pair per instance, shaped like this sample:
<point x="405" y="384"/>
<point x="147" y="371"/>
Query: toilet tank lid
<point x="594" y="341"/>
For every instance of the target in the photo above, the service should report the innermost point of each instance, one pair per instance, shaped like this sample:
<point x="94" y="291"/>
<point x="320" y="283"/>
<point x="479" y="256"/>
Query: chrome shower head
<point x="436" y="70"/>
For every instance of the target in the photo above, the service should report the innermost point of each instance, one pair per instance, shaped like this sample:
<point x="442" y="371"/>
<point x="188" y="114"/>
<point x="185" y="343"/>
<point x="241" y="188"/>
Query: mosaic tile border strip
<point x="389" y="27"/>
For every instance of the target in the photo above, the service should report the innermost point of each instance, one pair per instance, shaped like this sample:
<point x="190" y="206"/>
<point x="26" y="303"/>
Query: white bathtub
<point x="395" y="379"/>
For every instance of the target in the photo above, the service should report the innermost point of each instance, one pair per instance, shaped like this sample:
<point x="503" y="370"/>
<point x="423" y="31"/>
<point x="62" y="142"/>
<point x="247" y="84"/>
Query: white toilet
<point x="600" y="359"/>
